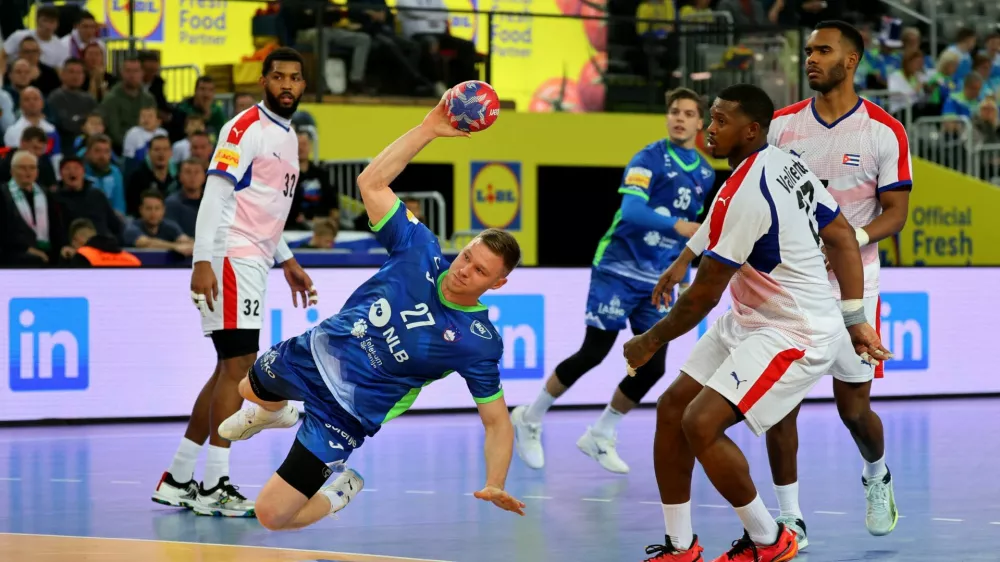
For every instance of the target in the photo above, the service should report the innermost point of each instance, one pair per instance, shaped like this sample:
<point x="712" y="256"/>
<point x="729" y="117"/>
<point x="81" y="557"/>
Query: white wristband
<point x="852" y="305"/>
<point x="862" y="236"/>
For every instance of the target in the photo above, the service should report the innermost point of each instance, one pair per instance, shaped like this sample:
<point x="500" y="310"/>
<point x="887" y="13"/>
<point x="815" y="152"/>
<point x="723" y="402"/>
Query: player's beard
<point x="836" y="75"/>
<point x="274" y="104"/>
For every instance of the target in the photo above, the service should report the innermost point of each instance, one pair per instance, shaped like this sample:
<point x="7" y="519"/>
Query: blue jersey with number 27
<point x="397" y="333"/>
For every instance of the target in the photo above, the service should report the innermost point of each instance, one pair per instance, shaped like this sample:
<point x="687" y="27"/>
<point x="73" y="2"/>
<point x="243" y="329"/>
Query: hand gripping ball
<point x="472" y="106"/>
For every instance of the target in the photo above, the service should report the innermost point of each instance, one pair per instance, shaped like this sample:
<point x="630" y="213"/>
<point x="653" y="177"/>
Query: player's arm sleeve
<point x="699" y="241"/>
<point x="399" y="230"/>
<point x="636" y="184"/>
<point x="218" y="188"/>
<point x="282" y="253"/>
<point x="895" y="170"/>
<point x="234" y="154"/>
<point x="483" y="379"/>
<point x="735" y="227"/>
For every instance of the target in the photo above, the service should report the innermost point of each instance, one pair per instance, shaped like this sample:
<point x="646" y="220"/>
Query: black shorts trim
<point x="235" y="343"/>
<point x="258" y="388"/>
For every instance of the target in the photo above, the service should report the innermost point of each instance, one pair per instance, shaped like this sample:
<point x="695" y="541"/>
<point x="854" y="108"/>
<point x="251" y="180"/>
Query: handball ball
<point x="472" y="106"/>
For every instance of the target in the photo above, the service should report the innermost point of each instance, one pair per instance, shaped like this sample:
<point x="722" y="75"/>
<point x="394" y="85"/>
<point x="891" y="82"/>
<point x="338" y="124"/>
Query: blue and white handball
<point x="472" y="106"/>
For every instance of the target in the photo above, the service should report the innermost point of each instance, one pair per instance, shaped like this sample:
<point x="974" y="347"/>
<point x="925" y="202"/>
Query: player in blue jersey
<point x="417" y="320"/>
<point x="662" y="191"/>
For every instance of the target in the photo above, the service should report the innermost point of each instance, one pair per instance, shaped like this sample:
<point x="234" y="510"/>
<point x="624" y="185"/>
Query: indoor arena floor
<point x="82" y="493"/>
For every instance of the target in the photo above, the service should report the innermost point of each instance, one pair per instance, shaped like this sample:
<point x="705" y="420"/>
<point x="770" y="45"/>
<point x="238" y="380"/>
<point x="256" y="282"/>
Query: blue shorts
<point x="327" y="430"/>
<point x="613" y="299"/>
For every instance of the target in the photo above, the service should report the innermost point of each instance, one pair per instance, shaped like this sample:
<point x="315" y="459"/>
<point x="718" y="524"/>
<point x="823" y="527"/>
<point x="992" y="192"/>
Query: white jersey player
<point x="251" y="182"/>
<point x="762" y="239"/>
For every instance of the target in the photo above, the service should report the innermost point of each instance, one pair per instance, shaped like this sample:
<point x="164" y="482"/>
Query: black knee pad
<point x="303" y="470"/>
<point x="596" y="346"/>
<point x="259" y="389"/>
<point x="635" y="388"/>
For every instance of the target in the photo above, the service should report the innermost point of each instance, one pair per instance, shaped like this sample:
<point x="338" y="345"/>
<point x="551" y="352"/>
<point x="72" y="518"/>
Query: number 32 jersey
<point x="397" y="333"/>
<point x="766" y="221"/>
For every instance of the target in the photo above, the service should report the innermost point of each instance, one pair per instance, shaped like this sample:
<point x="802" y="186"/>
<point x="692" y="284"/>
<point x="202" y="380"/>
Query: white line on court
<point x="421" y="492"/>
<point x="9" y="479"/>
<point x="65" y="480"/>
<point x="602" y="500"/>
<point x="712" y="506"/>
<point x="537" y="497"/>
<point x="651" y="503"/>
<point x="831" y="512"/>
<point x="369" y="489"/>
<point x="125" y="482"/>
<point x="947" y="519"/>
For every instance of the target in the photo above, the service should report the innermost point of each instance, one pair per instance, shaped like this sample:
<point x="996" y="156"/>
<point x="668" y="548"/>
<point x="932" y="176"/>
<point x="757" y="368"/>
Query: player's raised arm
<point x="374" y="181"/>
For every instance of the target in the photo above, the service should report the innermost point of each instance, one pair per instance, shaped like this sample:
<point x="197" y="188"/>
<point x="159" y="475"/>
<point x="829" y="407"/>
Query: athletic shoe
<point x="745" y="550"/>
<point x="253" y="419"/>
<point x="345" y="487"/>
<point x="603" y="450"/>
<point x="173" y="493"/>
<point x="881" y="515"/>
<point x="668" y="553"/>
<point x="798" y="526"/>
<point x="224" y="500"/>
<point x="527" y="439"/>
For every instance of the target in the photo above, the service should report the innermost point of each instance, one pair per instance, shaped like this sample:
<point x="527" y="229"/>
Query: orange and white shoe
<point x="669" y="553"/>
<point x="745" y="550"/>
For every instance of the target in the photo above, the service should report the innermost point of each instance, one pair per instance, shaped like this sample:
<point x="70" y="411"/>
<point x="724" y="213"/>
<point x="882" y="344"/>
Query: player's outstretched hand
<point x="301" y="284"/>
<point x="438" y="123"/>
<point x="638" y="351"/>
<point x="501" y="499"/>
<point x="664" y="290"/>
<point x="204" y="287"/>
<point x="868" y="344"/>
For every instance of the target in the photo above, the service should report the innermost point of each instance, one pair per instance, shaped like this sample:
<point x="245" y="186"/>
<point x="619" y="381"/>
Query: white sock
<point x="182" y="467"/>
<point x="677" y="520"/>
<point x="875" y="469"/>
<point x="536" y="411"/>
<point x="336" y="500"/>
<point x="216" y="466"/>
<point x="758" y="522"/>
<point x="788" y="500"/>
<point x="607" y="424"/>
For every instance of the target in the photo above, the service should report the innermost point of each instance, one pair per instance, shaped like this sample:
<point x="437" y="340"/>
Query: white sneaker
<point x="173" y="493"/>
<point x="527" y="439"/>
<point x="796" y="525"/>
<point x="346" y="486"/>
<point x="881" y="515"/>
<point x="223" y="500"/>
<point x="603" y="450"/>
<point x="253" y="419"/>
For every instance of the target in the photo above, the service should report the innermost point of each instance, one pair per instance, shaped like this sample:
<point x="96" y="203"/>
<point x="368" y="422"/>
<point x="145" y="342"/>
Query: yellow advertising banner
<point x="951" y="221"/>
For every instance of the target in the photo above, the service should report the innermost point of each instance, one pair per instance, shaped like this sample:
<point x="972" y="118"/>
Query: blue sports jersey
<point x="397" y="333"/>
<point x="673" y="181"/>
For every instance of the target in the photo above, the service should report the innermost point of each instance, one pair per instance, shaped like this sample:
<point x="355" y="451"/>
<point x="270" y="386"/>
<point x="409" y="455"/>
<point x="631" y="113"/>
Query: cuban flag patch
<point x="851" y="160"/>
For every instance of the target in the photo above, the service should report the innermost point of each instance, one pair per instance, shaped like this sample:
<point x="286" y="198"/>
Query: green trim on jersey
<point x="634" y="191"/>
<point x="407" y="400"/>
<point x="386" y="218"/>
<point x="606" y="239"/>
<point x="474" y="308"/>
<point x="686" y="167"/>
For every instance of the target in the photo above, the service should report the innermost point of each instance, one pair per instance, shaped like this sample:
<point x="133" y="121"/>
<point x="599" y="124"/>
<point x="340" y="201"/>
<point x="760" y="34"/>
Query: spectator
<point x="7" y="112"/>
<point x="982" y="65"/>
<point x="32" y="115"/>
<point x="701" y="11"/>
<point x="992" y="50"/>
<point x="315" y="196"/>
<point x="241" y="103"/>
<point x="414" y="207"/>
<point x="83" y="35"/>
<point x="122" y="105"/>
<point x="987" y="124"/>
<point x="201" y="148"/>
<point x="194" y="123"/>
<point x="153" y="231"/>
<point x="54" y="51"/>
<point x="33" y="208"/>
<point x="136" y="139"/>
<point x="943" y="80"/>
<point x="912" y="41"/>
<point x="965" y="42"/>
<point x="430" y="30"/>
<point x="887" y="59"/>
<point x="153" y="172"/>
<point x="99" y="81"/>
<point x="153" y="83"/>
<point x="182" y="205"/>
<point x="93" y="125"/>
<point x="964" y="103"/>
<point x="104" y="175"/>
<point x="20" y="78"/>
<point x="337" y="31"/>
<point x="324" y="236"/>
<point x="69" y="105"/>
<point x="42" y="76"/>
<point x="654" y="10"/>
<point x="402" y="55"/>
<point x="78" y="199"/>
<point x="907" y="86"/>
<point x="90" y="249"/>
<point x="203" y="103"/>
<point x="35" y="141"/>
<point x="745" y="13"/>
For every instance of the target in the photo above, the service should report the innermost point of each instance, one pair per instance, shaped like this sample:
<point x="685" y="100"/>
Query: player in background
<point x="784" y="330"/>
<point x="663" y="190"/>
<point x="249" y="191"/>
<point x="417" y="320"/>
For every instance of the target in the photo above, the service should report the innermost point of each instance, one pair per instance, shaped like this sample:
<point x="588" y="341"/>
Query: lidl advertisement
<point x="129" y="343"/>
<point x="952" y="220"/>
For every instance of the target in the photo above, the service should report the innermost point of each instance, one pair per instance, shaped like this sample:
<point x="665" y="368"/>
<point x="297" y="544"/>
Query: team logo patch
<point x="228" y="154"/>
<point x="851" y="160"/>
<point x="480" y="330"/>
<point x="411" y="217"/>
<point x="639" y="177"/>
<point x="451" y="335"/>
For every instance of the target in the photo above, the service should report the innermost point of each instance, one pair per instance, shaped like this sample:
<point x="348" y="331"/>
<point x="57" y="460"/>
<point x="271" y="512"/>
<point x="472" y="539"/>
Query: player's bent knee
<point x="270" y="515"/>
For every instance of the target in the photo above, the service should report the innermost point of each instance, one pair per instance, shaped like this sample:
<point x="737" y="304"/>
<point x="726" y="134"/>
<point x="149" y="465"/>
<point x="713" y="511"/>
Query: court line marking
<point x="602" y="500"/>
<point x="250" y="486"/>
<point x="831" y="512"/>
<point x="421" y="492"/>
<point x="9" y="479"/>
<point x="125" y="482"/>
<point x="65" y="480"/>
<point x="538" y="497"/>
<point x="369" y="489"/>
<point x="651" y="503"/>
<point x="712" y="506"/>
<point x="947" y="519"/>
<point x="324" y="553"/>
<point x="994" y="522"/>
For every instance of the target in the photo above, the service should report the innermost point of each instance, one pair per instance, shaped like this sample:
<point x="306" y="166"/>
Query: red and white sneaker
<point x="745" y="550"/>
<point x="669" y="553"/>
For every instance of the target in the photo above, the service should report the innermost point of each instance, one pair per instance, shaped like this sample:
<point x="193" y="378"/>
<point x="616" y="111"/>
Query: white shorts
<point x="849" y="367"/>
<point x="242" y="288"/>
<point x="763" y="372"/>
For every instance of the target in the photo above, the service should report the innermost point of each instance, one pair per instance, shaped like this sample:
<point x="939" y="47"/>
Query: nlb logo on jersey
<point x="520" y="321"/>
<point x="905" y="330"/>
<point x="495" y="195"/>
<point x="149" y="18"/>
<point x="49" y="344"/>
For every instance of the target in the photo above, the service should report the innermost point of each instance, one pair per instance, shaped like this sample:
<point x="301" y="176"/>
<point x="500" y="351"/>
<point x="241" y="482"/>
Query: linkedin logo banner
<point x="122" y="343"/>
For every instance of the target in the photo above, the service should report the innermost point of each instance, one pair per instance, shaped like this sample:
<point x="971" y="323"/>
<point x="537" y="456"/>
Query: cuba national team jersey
<point x="397" y="333"/>
<point x="674" y="182"/>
